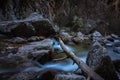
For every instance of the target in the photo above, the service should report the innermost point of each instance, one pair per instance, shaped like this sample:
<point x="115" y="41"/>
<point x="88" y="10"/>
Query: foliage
<point x="80" y="23"/>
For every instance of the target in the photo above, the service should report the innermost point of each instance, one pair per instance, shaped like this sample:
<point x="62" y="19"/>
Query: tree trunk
<point x="80" y="63"/>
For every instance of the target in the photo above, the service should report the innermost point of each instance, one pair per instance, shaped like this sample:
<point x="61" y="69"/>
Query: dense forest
<point x="59" y="39"/>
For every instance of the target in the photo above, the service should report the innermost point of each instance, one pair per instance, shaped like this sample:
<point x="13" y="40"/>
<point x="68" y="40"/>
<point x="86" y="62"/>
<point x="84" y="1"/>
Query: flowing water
<point x="80" y="51"/>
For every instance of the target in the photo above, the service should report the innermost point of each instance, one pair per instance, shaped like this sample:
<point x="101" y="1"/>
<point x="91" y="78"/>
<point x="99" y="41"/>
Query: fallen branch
<point x="60" y="59"/>
<point x="80" y="63"/>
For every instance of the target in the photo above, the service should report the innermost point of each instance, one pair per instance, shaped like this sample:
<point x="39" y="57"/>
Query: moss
<point x="80" y="23"/>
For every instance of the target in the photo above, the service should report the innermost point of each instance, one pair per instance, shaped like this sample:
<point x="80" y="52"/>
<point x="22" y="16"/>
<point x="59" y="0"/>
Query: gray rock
<point x="80" y="36"/>
<point x="117" y="50"/>
<point x="100" y="62"/>
<point x="18" y="40"/>
<point x="97" y="36"/>
<point x="66" y="36"/>
<point x="112" y="54"/>
<point x="69" y="77"/>
<point x="37" y="53"/>
<point x="109" y="38"/>
<point x="24" y="76"/>
<point x="41" y="56"/>
<point x="34" y="47"/>
<point x="33" y="25"/>
<point x="34" y="38"/>
<point x="114" y="36"/>
<point x="116" y="43"/>
<point x="14" y="62"/>
<point x="55" y="74"/>
<point x="109" y="44"/>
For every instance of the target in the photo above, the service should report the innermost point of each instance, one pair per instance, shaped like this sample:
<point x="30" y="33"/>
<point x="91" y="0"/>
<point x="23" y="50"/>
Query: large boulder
<point x="39" y="50"/>
<point x="100" y="62"/>
<point x="34" y="47"/>
<point x="14" y="62"/>
<point x="35" y="24"/>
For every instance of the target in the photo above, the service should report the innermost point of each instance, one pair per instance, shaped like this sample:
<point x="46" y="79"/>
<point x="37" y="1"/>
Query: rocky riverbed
<point x="29" y="45"/>
<point x="37" y="58"/>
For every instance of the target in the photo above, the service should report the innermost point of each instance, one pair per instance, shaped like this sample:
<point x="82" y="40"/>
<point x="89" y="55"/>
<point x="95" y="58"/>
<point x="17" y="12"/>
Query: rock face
<point x="20" y="9"/>
<point x="106" y="10"/>
<point x="64" y="12"/>
<point x="100" y="62"/>
<point x="35" y="24"/>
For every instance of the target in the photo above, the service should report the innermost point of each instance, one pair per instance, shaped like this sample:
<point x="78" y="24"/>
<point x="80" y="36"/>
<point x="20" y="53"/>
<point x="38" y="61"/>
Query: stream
<point x="80" y="51"/>
<point x="17" y="64"/>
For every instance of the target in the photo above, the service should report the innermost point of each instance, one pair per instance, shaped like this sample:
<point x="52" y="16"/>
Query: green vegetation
<point x="80" y="23"/>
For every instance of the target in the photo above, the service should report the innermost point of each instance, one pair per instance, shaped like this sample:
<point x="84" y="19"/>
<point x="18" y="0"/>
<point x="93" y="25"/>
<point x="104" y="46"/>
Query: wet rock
<point x="35" y="47"/>
<point x="79" y="38"/>
<point x="66" y="36"/>
<point x="113" y="55"/>
<point x="109" y="44"/>
<point x="37" y="53"/>
<point x="41" y="56"/>
<point x="69" y="77"/>
<point x="48" y="74"/>
<point x="9" y="51"/>
<point x="33" y="25"/>
<point x="116" y="43"/>
<point x="35" y="38"/>
<point x="114" y="36"/>
<point x="115" y="59"/>
<point x="117" y="50"/>
<point x="24" y="76"/>
<point x="110" y="41"/>
<point x="97" y="36"/>
<point x="18" y="74"/>
<point x="100" y="62"/>
<point x="14" y="62"/>
<point x="109" y="38"/>
<point x="18" y="40"/>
